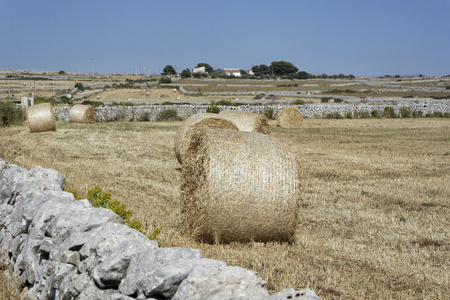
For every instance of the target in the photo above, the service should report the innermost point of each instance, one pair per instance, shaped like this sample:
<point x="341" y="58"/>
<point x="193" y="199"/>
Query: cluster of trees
<point x="276" y="69"/>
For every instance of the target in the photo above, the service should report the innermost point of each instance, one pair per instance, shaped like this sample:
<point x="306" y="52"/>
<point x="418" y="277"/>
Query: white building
<point x="235" y="72"/>
<point x="199" y="70"/>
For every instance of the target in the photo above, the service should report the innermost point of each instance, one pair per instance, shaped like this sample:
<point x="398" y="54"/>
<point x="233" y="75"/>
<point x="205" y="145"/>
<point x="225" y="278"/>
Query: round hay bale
<point x="239" y="186"/>
<point x="82" y="114"/>
<point x="193" y="123"/>
<point x="41" y="117"/>
<point x="290" y="117"/>
<point x="247" y="121"/>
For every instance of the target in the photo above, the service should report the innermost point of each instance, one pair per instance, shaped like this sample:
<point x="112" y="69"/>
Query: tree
<point x="62" y="72"/>
<point x="218" y="73"/>
<point x="169" y="70"/>
<point x="186" y="73"/>
<point x="261" y="70"/>
<point x="208" y="68"/>
<point x="282" y="67"/>
<point x="303" y="75"/>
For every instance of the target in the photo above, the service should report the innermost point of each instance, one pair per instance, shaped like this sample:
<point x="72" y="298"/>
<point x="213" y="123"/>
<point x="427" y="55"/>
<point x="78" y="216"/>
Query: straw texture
<point x="40" y="117"/>
<point x="290" y="117"/>
<point x="194" y="123"/>
<point x="239" y="186"/>
<point x="247" y="121"/>
<point x="82" y="114"/>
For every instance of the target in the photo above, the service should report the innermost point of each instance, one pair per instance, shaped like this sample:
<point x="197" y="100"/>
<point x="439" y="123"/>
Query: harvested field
<point x="374" y="211"/>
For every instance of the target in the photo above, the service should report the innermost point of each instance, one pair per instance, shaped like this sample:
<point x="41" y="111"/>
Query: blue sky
<point x="360" y="37"/>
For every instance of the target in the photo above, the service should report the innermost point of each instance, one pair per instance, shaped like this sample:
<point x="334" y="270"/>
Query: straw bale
<point x="247" y="121"/>
<point x="239" y="186"/>
<point x="82" y="114"/>
<point x="40" y="117"/>
<point x="193" y="123"/>
<point x="290" y="117"/>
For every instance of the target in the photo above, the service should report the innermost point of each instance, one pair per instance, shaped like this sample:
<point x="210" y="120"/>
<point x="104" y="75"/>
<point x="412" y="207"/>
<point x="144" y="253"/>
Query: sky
<point x="359" y="37"/>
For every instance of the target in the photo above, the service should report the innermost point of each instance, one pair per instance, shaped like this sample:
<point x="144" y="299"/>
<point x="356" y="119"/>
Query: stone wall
<point x="149" y="112"/>
<point x="61" y="248"/>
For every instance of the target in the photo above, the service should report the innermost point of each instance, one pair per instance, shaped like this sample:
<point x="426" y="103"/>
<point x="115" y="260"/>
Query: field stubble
<point x="374" y="219"/>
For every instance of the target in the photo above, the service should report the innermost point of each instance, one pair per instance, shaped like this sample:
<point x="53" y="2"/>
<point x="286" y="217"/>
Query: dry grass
<point x="374" y="220"/>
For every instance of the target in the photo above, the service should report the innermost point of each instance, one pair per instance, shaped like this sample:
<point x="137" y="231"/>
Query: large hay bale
<point x="194" y="123"/>
<point x="82" y="114"/>
<point x="239" y="186"/>
<point x="40" y="117"/>
<point x="290" y="117"/>
<point x="247" y="121"/>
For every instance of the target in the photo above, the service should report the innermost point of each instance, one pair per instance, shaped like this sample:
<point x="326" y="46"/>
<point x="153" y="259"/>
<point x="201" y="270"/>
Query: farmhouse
<point x="199" y="70"/>
<point x="235" y="72"/>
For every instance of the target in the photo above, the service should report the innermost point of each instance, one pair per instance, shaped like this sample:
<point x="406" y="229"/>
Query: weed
<point x="299" y="102"/>
<point x="405" y="112"/>
<point x="213" y="109"/>
<point x="389" y="112"/>
<point x="10" y="114"/>
<point x="269" y="113"/>
<point x="167" y="115"/>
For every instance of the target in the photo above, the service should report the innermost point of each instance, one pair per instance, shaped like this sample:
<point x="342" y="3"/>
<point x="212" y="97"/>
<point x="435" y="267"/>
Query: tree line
<point x="277" y="69"/>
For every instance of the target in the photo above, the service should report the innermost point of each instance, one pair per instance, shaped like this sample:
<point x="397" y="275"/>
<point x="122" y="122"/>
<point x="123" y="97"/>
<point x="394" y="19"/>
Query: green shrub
<point x="325" y="99"/>
<point x="145" y="117"/>
<point x="80" y="86"/>
<point x="167" y="115"/>
<point x="39" y="100"/>
<point x="164" y="80"/>
<point x="374" y="113"/>
<point x="122" y="103"/>
<point x="299" y="102"/>
<point x="349" y="115"/>
<point x="66" y="100"/>
<point x="98" y="198"/>
<point x="405" y="112"/>
<point x="389" y="112"/>
<point x="167" y="103"/>
<point x="10" y="114"/>
<point x="269" y="113"/>
<point x="214" y="109"/>
<point x="93" y="103"/>
<point x="337" y="100"/>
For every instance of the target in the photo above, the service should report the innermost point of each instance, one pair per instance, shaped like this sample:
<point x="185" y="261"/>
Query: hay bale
<point x="196" y="122"/>
<point x="239" y="186"/>
<point x="290" y="117"/>
<point x="82" y="114"/>
<point x="247" y="121"/>
<point x="40" y="117"/>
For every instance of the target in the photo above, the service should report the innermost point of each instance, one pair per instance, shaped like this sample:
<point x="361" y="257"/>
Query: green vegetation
<point x="389" y="112"/>
<point x="80" y="86"/>
<point x="186" y="73"/>
<point x="165" y="80"/>
<point x="169" y="70"/>
<point x="214" y="109"/>
<point x="299" y="102"/>
<point x="269" y="113"/>
<point x="405" y="112"/>
<point x="167" y="115"/>
<point x="10" y="114"/>
<point x="93" y="103"/>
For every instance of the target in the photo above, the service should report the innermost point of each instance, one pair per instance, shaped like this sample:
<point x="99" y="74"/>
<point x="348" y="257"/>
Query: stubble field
<point x="374" y="220"/>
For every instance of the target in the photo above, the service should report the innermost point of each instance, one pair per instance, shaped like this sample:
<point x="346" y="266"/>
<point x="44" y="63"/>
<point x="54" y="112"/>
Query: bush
<point x="145" y="117"/>
<point x="299" y="102"/>
<point x="80" y="86"/>
<point x="93" y="103"/>
<point x="10" y="114"/>
<point x="168" y="115"/>
<point x="389" y="112"/>
<point x="405" y="112"/>
<point x="164" y="80"/>
<point x="66" y="100"/>
<point x="269" y="113"/>
<point x="325" y="99"/>
<point x="214" y="109"/>
<point x="337" y="100"/>
<point x="374" y="113"/>
<point x="349" y="115"/>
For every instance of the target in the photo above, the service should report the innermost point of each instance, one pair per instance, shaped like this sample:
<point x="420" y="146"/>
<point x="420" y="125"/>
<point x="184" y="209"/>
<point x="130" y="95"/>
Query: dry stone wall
<point x="61" y="248"/>
<point x="150" y="112"/>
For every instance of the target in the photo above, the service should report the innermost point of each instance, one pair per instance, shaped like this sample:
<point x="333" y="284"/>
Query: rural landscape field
<point x="373" y="222"/>
<point x="374" y="212"/>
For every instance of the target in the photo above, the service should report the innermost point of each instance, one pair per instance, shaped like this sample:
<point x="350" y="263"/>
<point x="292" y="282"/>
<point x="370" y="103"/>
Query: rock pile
<point x="62" y="248"/>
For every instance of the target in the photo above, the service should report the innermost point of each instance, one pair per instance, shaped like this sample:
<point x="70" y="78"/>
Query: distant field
<point x="374" y="219"/>
<point x="52" y="84"/>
